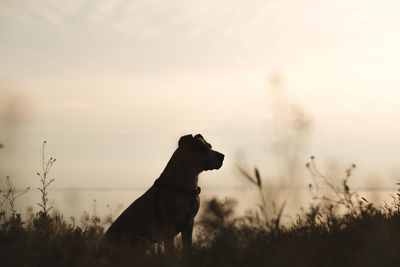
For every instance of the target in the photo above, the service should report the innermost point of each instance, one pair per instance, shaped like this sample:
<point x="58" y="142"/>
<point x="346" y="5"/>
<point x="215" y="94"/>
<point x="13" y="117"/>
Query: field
<point x="340" y="230"/>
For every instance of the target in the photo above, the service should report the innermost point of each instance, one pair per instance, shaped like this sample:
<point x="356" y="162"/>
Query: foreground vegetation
<point x="341" y="229"/>
<point x="369" y="237"/>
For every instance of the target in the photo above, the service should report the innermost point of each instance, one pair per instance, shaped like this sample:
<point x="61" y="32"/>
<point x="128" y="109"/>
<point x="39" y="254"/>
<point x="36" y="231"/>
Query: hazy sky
<point x="112" y="85"/>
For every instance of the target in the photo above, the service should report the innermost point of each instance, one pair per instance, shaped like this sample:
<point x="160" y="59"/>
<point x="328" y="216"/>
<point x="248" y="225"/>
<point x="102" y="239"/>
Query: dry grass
<point x="360" y="235"/>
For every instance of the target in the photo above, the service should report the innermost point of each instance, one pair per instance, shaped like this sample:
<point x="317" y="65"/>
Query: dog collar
<point x="191" y="192"/>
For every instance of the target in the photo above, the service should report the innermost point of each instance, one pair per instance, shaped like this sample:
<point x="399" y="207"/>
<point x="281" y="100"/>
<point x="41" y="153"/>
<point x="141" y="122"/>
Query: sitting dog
<point x="170" y="205"/>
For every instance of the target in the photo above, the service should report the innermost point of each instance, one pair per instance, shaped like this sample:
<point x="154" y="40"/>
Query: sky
<point x="112" y="85"/>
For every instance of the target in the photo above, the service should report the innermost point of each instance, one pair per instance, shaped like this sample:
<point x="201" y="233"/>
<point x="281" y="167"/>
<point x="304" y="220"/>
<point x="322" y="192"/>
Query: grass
<point x="341" y="229"/>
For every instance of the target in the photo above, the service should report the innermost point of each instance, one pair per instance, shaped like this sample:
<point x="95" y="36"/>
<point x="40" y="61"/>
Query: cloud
<point x="66" y="106"/>
<point x="104" y="10"/>
<point x="54" y="12"/>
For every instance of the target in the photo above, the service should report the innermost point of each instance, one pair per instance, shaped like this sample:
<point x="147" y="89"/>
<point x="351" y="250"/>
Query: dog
<point x="170" y="205"/>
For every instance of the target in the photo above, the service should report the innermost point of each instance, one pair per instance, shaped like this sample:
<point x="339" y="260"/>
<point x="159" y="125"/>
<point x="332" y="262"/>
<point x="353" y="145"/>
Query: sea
<point x="74" y="203"/>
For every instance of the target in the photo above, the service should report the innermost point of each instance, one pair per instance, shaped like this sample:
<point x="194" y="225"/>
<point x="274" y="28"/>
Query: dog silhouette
<point x="169" y="206"/>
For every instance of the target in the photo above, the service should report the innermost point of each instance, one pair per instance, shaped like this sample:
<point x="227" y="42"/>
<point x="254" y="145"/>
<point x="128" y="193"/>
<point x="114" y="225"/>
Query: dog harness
<point x="158" y="185"/>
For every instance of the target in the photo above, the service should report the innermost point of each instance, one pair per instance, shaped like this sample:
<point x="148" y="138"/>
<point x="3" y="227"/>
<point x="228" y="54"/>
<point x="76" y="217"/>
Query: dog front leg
<point x="187" y="236"/>
<point x="169" y="244"/>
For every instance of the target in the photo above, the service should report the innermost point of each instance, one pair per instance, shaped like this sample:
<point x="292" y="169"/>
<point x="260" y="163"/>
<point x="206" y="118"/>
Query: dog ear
<point x="185" y="140"/>
<point x="199" y="140"/>
<point x="199" y="136"/>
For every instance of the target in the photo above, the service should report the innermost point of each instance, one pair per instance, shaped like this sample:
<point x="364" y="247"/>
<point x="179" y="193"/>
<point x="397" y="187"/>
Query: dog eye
<point x="202" y="147"/>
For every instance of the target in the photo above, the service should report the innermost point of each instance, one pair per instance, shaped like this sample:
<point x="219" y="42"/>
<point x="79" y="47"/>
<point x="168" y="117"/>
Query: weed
<point x="277" y="211"/>
<point x="10" y="196"/>
<point x="359" y="236"/>
<point x="342" y="194"/>
<point x="47" y="164"/>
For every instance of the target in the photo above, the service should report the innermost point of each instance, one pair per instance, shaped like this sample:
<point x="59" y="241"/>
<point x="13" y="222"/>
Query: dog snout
<point x="220" y="159"/>
<point x="215" y="160"/>
<point x="220" y="156"/>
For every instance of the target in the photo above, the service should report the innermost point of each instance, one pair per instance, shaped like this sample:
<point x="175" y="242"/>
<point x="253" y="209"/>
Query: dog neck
<point x="178" y="173"/>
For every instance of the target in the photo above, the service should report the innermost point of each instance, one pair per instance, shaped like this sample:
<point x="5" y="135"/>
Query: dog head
<point x="199" y="152"/>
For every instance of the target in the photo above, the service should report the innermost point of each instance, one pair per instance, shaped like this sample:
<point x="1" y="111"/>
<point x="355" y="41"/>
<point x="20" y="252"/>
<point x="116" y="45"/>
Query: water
<point x="73" y="203"/>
